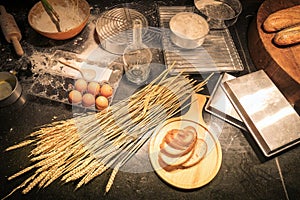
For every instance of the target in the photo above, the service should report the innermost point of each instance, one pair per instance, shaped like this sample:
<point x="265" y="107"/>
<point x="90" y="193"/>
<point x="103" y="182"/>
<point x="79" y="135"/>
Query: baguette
<point x="282" y="19"/>
<point x="288" y="36"/>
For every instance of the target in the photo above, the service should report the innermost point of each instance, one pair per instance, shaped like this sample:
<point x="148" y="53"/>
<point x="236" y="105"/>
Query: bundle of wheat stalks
<point x="85" y="146"/>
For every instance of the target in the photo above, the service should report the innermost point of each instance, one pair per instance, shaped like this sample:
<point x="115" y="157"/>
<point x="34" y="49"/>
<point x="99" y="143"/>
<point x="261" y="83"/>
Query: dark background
<point x="244" y="174"/>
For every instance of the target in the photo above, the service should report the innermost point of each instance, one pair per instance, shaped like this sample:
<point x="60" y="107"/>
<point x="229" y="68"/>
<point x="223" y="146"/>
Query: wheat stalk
<point x="85" y="146"/>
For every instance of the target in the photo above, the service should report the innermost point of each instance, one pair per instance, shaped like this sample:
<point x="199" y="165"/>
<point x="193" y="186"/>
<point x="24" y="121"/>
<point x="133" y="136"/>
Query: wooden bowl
<point x="282" y="64"/>
<point x="73" y="15"/>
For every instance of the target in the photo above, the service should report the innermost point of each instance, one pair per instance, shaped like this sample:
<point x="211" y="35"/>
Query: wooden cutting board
<point x="207" y="168"/>
<point x="282" y="64"/>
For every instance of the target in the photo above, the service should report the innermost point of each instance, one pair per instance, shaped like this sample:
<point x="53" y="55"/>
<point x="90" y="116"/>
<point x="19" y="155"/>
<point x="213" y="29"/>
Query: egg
<point x="93" y="88"/>
<point x="80" y="85"/>
<point x="101" y="102"/>
<point x="75" y="97"/>
<point x="106" y="90"/>
<point x="88" y="100"/>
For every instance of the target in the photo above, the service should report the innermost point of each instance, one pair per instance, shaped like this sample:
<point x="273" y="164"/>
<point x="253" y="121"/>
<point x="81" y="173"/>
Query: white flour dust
<point x="69" y="18"/>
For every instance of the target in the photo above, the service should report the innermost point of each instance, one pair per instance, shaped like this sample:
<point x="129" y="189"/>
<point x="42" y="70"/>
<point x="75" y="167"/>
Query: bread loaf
<point x="282" y="19"/>
<point x="288" y="36"/>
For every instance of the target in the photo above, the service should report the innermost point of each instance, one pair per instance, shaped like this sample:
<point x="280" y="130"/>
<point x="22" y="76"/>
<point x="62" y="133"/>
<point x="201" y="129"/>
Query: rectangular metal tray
<point x="269" y="117"/>
<point x="217" y="53"/>
<point x="219" y="105"/>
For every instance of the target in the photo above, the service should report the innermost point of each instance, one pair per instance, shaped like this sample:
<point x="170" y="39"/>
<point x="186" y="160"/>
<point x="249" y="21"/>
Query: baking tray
<point x="219" y="105"/>
<point x="217" y="53"/>
<point x="271" y="120"/>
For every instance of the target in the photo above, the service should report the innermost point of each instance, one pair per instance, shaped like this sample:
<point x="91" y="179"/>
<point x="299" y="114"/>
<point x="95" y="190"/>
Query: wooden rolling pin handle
<point x="17" y="46"/>
<point x="11" y="30"/>
<point x="2" y="10"/>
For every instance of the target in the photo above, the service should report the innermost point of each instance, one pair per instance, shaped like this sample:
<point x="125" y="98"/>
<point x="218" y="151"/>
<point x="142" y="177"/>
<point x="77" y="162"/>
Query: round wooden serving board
<point x="201" y="173"/>
<point x="282" y="64"/>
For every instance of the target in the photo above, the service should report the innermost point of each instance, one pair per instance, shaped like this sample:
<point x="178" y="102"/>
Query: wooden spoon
<point x="88" y="74"/>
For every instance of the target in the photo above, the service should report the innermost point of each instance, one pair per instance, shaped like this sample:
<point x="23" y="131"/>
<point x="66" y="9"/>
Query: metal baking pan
<point x="219" y="105"/>
<point x="271" y="120"/>
<point x="218" y="53"/>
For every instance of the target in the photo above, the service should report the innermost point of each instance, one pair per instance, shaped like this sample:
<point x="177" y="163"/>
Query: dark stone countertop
<point x="244" y="173"/>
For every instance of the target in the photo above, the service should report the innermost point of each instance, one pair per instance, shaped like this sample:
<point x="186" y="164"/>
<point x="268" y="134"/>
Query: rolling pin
<point x="11" y="30"/>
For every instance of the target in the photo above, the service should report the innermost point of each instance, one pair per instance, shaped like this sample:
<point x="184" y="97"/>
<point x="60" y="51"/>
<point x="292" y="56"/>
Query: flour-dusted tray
<point x="220" y="106"/>
<point x="269" y="117"/>
<point x="217" y="53"/>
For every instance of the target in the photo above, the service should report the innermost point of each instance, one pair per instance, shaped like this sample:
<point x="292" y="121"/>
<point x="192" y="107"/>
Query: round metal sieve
<point x="114" y="28"/>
